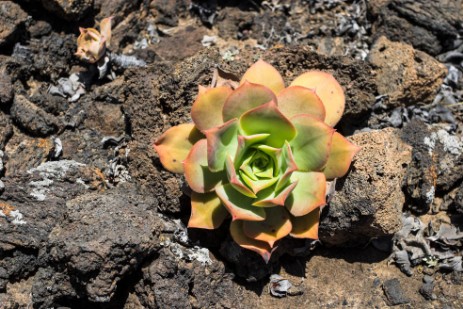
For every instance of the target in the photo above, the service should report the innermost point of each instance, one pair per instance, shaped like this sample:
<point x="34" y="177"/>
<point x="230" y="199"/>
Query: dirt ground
<point x="90" y="219"/>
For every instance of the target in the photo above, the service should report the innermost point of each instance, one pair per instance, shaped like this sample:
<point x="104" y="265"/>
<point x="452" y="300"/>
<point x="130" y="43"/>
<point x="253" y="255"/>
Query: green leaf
<point x="197" y="173"/>
<point x="206" y="111"/>
<point x="306" y="226"/>
<point x="174" y="145"/>
<point x="341" y="155"/>
<point x="287" y="166"/>
<point x="276" y="226"/>
<point x="298" y="100"/>
<point x="244" y="98"/>
<point x="258" y="184"/>
<point x="207" y="211"/>
<point x="221" y="142"/>
<point x="244" y="143"/>
<point x="239" y="205"/>
<point x="270" y="198"/>
<point x="235" y="180"/>
<point x="263" y="73"/>
<point x="260" y="247"/>
<point x="268" y="119"/>
<point x="308" y="194"/>
<point x="312" y="144"/>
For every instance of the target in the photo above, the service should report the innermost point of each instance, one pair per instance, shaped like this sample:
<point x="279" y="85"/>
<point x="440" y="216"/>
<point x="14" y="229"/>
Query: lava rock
<point x="405" y="75"/>
<point x="6" y="130"/>
<point x="71" y="10"/>
<point x="427" y="288"/>
<point x="368" y="201"/>
<point x="427" y="25"/>
<point x="394" y="292"/>
<point x="103" y="239"/>
<point x="12" y="19"/>
<point x="31" y="118"/>
<point x="6" y="87"/>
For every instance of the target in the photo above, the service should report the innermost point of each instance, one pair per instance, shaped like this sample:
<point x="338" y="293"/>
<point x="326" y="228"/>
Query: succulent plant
<point x="92" y="44"/>
<point x="261" y="153"/>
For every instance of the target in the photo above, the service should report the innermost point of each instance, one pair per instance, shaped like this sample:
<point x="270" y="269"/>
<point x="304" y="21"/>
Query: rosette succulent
<point x="261" y="153"/>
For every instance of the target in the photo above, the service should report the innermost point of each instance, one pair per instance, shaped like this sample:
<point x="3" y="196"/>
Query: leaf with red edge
<point x="271" y="198"/>
<point x="263" y="73"/>
<point x="341" y="155"/>
<point x="174" y="145"/>
<point x="308" y="194"/>
<point x="306" y="226"/>
<point x="221" y="142"/>
<point x="287" y="166"/>
<point x="312" y="144"/>
<point x="197" y="173"/>
<point x="329" y="91"/>
<point x="207" y="211"/>
<point x="268" y="119"/>
<point x="298" y="100"/>
<point x="239" y="205"/>
<point x="244" y="98"/>
<point x="206" y="111"/>
<point x="235" y="181"/>
<point x="105" y="29"/>
<point x="276" y="226"/>
<point x="260" y="247"/>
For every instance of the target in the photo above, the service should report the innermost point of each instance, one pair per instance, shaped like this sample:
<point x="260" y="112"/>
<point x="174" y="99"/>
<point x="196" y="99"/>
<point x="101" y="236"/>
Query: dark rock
<point x="368" y="201"/>
<point x="170" y="283"/>
<point x="436" y="165"/>
<point x="458" y="201"/>
<point x="6" y="130"/>
<point x="167" y="12"/>
<point x="12" y="19"/>
<point x="40" y="28"/>
<point x="426" y="290"/>
<point x="31" y="118"/>
<point x="71" y="10"/>
<point x="427" y="25"/>
<point x="104" y="238"/>
<point x="6" y="87"/>
<point x="394" y="292"/>
<point x="117" y="8"/>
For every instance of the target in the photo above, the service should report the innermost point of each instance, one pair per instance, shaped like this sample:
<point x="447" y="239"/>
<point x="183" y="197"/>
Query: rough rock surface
<point x="405" y="75"/>
<point x="6" y="88"/>
<point x="13" y="18"/>
<point x="428" y="25"/>
<point x="32" y="118"/>
<point x="6" y="130"/>
<point x="368" y="201"/>
<point x="71" y="10"/>
<point x="436" y="165"/>
<point x="103" y="239"/>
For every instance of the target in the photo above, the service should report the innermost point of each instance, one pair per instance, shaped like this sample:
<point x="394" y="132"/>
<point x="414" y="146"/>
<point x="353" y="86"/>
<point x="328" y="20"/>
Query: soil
<point x="90" y="219"/>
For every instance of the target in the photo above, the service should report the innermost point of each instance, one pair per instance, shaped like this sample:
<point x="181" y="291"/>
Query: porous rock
<point x="368" y="201"/>
<point x="12" y="18"/>
<point x="428" y="25"/>
<point x="394" y="292"/>
<point x="6" y="130"/>
<point x="6" y="87"/>
<point x="437" y="163"/>
<point x="404" y="74"/>
<point x="71" y="10"/>
<point x="103" y="239"/>
<point x="32" y="118"/>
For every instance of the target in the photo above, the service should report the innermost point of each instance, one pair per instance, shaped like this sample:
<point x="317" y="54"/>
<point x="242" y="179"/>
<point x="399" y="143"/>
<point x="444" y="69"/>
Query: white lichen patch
<point x="50" y="171"/>
<point x="14" y="216"/>
<point x="430" y="195"/>
<point x="452" y="144"/>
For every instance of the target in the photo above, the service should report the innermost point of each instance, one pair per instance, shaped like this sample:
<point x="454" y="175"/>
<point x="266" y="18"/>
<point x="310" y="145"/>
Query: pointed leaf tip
<point x="341" y="155"/>
<point x="174" y="145"/>
<point x="263" y="73"/>
<point x="260" y="247"/>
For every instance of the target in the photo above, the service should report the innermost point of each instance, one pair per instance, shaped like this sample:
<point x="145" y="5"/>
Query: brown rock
<point x="6" y="87"/>
<point x="368" y="201"/>
<point x="12" y="17"/>
<point x="406" y="75"/>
